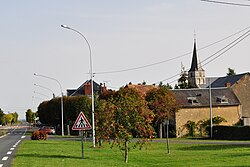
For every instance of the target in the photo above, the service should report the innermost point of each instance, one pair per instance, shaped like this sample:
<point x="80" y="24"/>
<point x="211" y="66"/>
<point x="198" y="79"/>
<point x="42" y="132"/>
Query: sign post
<point x="81" y="124"/>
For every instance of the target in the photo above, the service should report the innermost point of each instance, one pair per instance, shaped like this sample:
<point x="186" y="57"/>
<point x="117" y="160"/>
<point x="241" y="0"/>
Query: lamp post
<point x="53" y="94"/>
<point x="41" y="94"/>
<point x="91" y="73"/>
<point x="39" y="75"/>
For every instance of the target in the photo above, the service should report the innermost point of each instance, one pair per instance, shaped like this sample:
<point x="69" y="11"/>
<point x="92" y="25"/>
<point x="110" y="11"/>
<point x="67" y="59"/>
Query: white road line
<point x="9" y="152"/>
<point x="23" y="137"/>
<point x="12" y="148"/>
<point x="1" y="165"/>
<point x="4" y="158"/>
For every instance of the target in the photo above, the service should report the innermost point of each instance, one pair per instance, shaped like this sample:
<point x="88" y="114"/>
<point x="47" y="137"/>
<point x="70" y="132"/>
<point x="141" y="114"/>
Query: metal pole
<point x="211" y="110"/>
<point x="39" y="75"/>
<point x="91" y="77"/>
<point x="82" y="132"/>
<point x="168" y="146"/>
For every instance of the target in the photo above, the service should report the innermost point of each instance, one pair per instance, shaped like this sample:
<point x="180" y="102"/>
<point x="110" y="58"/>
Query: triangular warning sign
<point x="81" y="123"/>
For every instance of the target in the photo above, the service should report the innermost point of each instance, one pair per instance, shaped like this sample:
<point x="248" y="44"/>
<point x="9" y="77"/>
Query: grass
<point x="53" y="153"/>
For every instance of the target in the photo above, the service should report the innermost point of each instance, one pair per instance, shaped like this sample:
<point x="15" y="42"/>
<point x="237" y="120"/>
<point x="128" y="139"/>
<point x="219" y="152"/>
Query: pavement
<point x="9" y="144"/>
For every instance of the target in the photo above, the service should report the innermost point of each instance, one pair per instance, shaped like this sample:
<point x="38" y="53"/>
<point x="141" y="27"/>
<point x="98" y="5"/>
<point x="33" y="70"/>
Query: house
<point x="194" y="105"/>
<point x="240" y="85"/>
<point x="85" y="89"/>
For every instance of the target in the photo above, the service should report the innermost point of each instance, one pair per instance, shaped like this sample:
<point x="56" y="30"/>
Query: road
<point x="9" y="144"/>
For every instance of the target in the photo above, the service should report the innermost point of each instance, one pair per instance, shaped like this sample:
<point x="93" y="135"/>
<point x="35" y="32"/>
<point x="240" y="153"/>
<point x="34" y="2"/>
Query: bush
<point x="39" y="135"/>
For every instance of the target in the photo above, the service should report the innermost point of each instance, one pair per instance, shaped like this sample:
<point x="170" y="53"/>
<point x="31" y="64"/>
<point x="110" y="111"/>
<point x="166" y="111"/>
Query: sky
<point x="131" y="41"/>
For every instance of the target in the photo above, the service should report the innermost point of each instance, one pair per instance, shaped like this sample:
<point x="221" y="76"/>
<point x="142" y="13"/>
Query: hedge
<point x="231" y="132"/>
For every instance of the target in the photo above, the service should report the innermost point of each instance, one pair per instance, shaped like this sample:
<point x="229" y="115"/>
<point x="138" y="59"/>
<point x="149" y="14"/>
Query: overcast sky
<point x="122" y="34"/>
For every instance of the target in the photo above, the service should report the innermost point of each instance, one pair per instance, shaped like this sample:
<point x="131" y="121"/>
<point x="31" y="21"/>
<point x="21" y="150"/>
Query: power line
<point x="227" y="3"/>
<point x="226" y="48"/>
<point x="168" y="60"/>
<point x="231" y="43"/>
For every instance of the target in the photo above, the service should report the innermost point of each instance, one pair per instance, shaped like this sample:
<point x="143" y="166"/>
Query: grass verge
<point x="53" y="153"/>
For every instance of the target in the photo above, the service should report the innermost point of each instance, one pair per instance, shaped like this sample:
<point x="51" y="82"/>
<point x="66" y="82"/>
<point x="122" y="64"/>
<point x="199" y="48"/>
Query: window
<point x="221" y="99"/>
<point x="192" y="100"/>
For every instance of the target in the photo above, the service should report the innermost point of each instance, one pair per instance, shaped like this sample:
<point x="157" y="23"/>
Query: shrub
<point x="39" y="135"/>
<point x="191" y="126"/>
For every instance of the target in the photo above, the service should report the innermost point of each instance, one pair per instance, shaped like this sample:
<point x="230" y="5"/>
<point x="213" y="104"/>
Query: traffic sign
<point x="81" y="123"/>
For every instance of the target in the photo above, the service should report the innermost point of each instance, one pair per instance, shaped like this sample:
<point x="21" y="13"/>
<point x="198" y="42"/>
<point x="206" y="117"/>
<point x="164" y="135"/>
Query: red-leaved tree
<point x="123" y="116"/>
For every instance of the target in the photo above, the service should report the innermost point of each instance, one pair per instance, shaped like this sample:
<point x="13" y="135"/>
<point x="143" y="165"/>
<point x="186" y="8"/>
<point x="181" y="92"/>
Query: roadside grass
<point x="53" y="153"/>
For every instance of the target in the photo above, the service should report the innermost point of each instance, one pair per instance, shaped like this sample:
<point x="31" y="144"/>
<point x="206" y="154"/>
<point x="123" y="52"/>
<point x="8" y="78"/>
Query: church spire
<point x="195" y="65"/>
<point x="196" y="75"/>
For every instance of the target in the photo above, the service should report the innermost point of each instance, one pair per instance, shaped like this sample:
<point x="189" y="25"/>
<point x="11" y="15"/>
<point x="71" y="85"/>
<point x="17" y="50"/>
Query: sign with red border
<point x="81" y="123"/>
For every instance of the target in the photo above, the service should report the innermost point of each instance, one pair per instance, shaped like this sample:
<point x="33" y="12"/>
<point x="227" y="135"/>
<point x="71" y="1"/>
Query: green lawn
<point x="53" y="153"/>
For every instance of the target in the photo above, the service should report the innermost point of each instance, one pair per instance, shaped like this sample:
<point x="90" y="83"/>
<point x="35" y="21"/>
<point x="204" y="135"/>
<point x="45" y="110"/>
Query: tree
<point x="49" y="112"/>
<point x="167" y="86"/>
<point x="162" y="102"/>
<point x="29" y="116"/>
<point x="15" y="117"/>
<point x="1" y="117"/>
<point x="122" y="116"/>
<point x="183" y="80"/>
<point x="231" y="72"/>
<point x="8" y="118"/>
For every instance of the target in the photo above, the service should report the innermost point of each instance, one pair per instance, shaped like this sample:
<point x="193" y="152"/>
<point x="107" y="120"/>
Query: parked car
<point x="49" y="130"/>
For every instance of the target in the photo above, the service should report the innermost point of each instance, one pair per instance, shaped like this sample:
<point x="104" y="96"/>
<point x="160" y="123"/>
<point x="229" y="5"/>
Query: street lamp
<point x="41" y="94"/>
<point x="45" y="88"/>
<point x="39" y="75"/>
<point x="91" y="73"/>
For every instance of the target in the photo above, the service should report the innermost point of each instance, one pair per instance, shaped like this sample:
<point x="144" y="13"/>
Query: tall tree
<point x="125" y="115"/>
<point x="15" y="117"/>
<point x="1" y="117"/>
<point x="162" y="102"/>
<point x="29" y="116"/>
<point x="8" y="118"/>
<point x="231" y="72"/>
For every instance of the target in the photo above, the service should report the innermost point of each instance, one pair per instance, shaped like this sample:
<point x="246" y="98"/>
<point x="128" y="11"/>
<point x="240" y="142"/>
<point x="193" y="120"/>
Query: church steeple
<point x="195" y="65"/>
<point x="196" y="75"/>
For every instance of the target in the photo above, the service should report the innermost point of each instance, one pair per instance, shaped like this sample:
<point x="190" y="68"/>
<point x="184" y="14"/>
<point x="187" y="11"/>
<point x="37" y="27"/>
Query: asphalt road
<point x="9" y="144"/>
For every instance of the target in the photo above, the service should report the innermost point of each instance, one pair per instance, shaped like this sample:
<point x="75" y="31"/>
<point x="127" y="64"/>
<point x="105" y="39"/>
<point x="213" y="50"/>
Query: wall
<point x="230" y="113"/>
<point x="242" y="91"/>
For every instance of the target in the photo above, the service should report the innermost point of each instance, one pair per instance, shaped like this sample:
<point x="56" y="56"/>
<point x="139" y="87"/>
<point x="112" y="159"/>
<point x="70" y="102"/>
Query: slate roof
<point x="80" y="89"/>
<point x="203" y="98"/>
<point x="232" y="79"/>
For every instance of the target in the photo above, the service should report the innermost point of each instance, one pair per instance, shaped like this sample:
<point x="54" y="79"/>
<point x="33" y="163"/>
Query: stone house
<point x="194" y="105"/>
<point x="240" y="85"/>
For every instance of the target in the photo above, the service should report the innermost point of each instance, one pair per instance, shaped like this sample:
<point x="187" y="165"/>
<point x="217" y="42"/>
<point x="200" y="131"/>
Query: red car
<point x="48" y="130"/>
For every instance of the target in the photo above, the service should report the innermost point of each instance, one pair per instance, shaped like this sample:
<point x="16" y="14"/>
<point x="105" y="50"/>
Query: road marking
<point x="12" y="148"/>
<point x="23" y="137"/>
<point x="1" y="165"/>
<point x="9" y="152"/>
<point x="4" y="158"/>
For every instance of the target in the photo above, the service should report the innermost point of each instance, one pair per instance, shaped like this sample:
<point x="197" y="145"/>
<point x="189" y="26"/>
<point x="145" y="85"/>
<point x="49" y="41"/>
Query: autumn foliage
<point x="122" y="116"/>
<point x="39" y="135"/>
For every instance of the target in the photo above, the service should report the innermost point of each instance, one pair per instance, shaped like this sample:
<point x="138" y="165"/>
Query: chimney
<point x="228" y="85"/>
<point x="104" y="88"/>
<point x="87" y="88"/>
